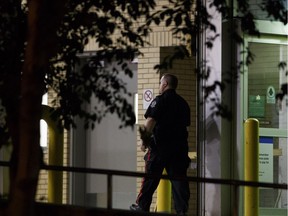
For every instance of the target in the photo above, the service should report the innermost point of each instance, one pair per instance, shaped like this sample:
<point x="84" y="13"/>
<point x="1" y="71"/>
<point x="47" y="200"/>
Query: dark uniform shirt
<point x="172" y="115"/>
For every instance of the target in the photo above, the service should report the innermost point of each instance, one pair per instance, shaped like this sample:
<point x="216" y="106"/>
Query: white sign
<point x="270" y="95"/>
<point x="147" y="97"/>
<point x="266" y="159"/>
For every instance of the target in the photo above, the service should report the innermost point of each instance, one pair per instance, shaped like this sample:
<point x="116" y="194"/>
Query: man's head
<point x="168" y="81"/>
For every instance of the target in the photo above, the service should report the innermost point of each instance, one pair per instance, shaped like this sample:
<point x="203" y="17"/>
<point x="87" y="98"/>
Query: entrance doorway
<point x="262" y="81"/>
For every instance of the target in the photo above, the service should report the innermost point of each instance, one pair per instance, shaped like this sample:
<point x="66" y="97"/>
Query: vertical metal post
<point x="236" y="201"/>
<point x="109" y="191"/>
<point x="55" y="157"/>
<point x="164" y="195"/>
<point x="251" y="167"/>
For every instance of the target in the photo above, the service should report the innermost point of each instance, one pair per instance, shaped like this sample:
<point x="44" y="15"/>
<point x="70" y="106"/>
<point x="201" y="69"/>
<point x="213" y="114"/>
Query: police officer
<point x="165" y="136"/>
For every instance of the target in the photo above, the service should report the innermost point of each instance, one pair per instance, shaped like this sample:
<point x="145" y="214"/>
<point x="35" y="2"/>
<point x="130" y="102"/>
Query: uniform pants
<point x="175" y="167"/>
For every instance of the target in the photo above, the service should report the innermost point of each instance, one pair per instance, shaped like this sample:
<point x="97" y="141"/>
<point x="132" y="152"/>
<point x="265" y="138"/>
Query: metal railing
<point x="110" y="173"/>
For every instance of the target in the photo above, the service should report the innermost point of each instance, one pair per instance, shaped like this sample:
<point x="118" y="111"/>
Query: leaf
<point x="178" y="19"/>
<point x="168" y="22"/>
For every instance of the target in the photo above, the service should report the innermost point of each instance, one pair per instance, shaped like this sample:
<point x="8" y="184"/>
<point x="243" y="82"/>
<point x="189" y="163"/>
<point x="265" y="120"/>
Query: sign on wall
<point x="147" y="97"/>
<point x="266" y="159"/>
<point x="270" y="95"/>
<point x="256" y="106"/>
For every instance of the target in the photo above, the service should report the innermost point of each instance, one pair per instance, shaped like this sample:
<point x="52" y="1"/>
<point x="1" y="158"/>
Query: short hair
<point x="171" y="79"/>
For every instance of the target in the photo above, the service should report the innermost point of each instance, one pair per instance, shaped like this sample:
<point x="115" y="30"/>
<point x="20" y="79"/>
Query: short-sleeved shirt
<point x="172" y="115"/>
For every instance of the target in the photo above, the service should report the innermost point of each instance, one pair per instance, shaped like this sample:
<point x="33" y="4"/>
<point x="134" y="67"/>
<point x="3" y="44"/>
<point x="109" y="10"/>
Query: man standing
<point x="165" y="135"/>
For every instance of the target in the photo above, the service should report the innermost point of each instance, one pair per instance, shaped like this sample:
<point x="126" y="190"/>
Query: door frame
<point x="272" y="33"/>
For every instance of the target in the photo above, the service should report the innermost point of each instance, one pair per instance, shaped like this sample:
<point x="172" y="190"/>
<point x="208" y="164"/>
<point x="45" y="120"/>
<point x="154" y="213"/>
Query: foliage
<point x="179" y="16"/>
<point x="119" y="29"/>
<point x="111" y="25"/>
<point x="97" y="21"/>
<point x="84" y="21"/>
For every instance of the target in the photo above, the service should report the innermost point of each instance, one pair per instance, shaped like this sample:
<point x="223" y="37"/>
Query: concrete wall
<point x="109" y="147"/>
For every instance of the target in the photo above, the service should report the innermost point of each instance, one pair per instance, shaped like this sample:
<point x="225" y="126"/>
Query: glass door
<point x="262" y="82"/>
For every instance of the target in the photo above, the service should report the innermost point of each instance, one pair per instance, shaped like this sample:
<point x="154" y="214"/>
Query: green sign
<point x="256" y="106"/>
<point x="270" y="95"/>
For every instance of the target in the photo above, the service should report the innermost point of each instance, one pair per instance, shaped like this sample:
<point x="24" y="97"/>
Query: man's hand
<point x="145" y="137"/>
<point x="143" y="148"/>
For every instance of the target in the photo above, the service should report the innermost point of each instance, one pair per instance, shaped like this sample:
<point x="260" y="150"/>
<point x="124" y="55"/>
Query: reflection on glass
<point x="265" y="80"/>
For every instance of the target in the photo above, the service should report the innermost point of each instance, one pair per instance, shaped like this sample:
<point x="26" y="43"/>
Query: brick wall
<point x="162" y="42"/>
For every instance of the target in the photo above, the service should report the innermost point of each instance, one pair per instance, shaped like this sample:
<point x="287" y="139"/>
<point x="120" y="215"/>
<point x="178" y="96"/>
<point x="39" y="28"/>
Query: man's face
<point x="163" y="85"/>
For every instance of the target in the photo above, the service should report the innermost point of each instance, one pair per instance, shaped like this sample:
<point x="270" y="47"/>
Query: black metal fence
<point x="110" y="173"/>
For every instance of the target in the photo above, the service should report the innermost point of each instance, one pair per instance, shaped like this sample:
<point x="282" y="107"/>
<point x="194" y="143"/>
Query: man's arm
<point x="150" y="124"/>
<point x="146" y="132"/>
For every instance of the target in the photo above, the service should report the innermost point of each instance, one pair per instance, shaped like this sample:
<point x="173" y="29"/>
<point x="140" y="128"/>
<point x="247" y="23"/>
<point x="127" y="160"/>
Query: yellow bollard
<point x="55" y="178"/>
<point x="251" y="167"/>
<point x="163" y="203"/>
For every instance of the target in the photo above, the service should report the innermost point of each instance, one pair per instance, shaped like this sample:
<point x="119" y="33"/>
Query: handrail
<point x="110" y="173"/>
<point x="141" y="174"/>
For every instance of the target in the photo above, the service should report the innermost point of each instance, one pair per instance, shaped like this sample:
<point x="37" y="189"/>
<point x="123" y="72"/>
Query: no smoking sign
<point x="147" y="97"/>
